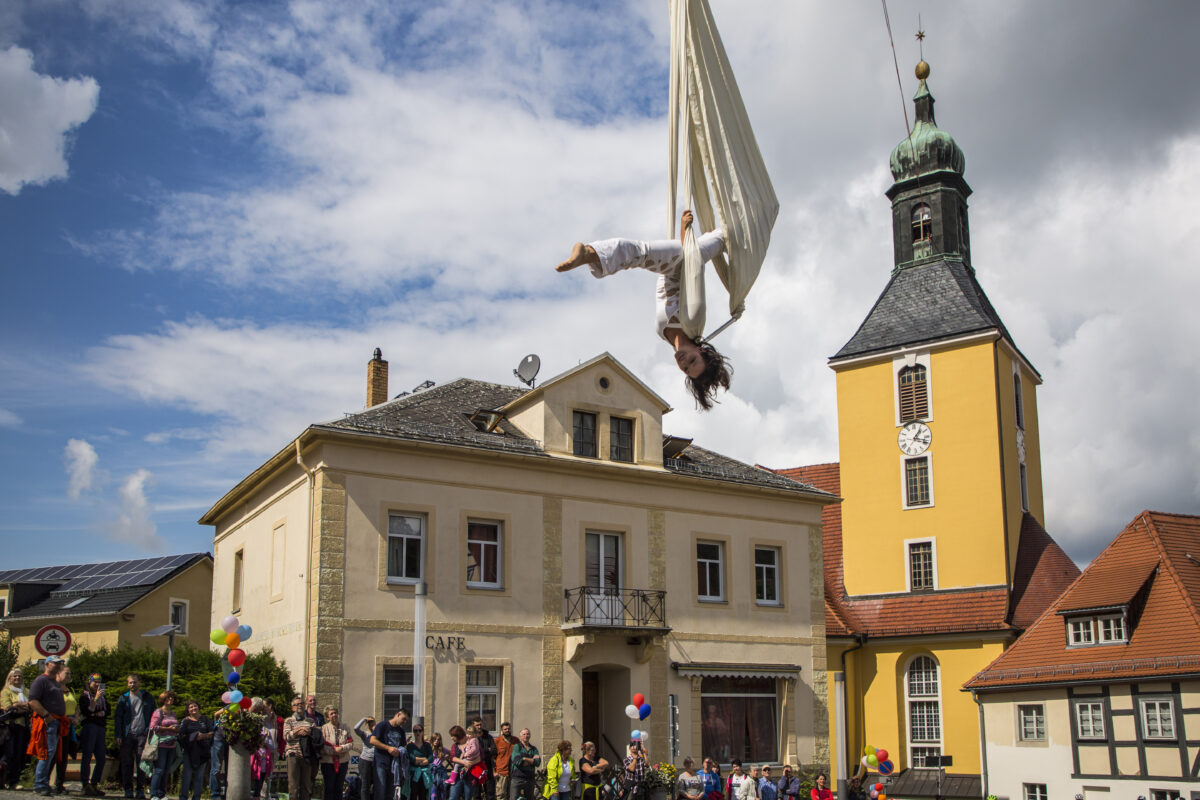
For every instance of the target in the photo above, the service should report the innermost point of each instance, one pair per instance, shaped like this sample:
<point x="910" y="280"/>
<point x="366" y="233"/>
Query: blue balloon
<point x="634" y="735"/>
<point x="235" y="696"/>
<point x="244" y="632"/>
<point x="233" y="677"/>
<point x="644" y="711"/>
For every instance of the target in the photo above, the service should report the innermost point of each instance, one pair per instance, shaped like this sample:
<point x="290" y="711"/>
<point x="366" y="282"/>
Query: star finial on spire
<point x="921" y="37"/>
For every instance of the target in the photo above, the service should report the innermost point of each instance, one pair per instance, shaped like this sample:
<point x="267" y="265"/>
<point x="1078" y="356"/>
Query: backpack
<point x="353" y="787"/>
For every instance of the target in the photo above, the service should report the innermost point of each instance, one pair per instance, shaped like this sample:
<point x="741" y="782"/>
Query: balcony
<point x="593" y="607"/>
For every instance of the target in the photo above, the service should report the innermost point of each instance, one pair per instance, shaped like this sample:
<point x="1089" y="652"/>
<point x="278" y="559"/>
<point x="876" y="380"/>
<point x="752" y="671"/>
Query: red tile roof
<point x="839" y="620"/>
<point x="1043" y="572"/>
<point x="1165" y="635"/>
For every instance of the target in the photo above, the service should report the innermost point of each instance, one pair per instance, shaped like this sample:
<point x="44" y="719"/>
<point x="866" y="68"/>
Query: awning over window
<point x="719" y="670"/>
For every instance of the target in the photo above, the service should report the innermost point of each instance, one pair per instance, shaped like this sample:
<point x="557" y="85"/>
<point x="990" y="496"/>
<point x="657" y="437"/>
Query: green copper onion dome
<point x="929" y="149"/>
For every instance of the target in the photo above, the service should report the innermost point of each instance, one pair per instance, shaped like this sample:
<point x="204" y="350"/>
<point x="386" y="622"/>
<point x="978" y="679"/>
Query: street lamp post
<point x="168" y="631"/>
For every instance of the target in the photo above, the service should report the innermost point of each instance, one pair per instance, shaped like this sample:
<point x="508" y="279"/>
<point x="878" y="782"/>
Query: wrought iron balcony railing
<point x="616" y="608"/>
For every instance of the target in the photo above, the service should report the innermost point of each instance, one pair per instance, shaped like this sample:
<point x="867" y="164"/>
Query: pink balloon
<point x="225" y="698"/>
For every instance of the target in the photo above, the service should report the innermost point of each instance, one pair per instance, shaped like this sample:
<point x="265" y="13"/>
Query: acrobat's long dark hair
<point x="718" y="372"/>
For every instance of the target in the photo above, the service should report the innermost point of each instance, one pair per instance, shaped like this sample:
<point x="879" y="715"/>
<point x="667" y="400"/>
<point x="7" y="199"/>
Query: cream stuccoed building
<point x="572" y="555"/>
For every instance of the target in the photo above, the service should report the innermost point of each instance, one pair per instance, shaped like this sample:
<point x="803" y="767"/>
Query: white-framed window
<point x="710" y="571"/>
<point x="923" y="699"/>
<point x="1034" y="791"/>
<point x="239" y="564"/>
<point x="918" y="482"/>
<point x="922" y="223"/>
<point x="912" y="387"/>
<point x="922" y="564"/>
<point x="1081" y="630"/>
<point x="1112" y="629"/>
<point x="1158" y="719"/>
<point x="179" y="615"/>
<point x="583" y="429"/>
<point x="483" y="696"/>
<point x="766" y="576"/>
<point x="1089" y="719"/>
<point x="1166" y="794"/>
<point x="1031" y="722"/>
<point x="405" y="548"/>
<point x="397" y="690"/>
<point x="485" y="542"/>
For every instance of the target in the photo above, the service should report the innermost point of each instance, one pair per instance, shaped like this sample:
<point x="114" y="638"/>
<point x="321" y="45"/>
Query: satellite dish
<point x="527" y="370"/>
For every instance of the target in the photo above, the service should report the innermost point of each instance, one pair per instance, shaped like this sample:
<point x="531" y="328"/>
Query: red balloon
<point x="237" y="657"/>
<point x="639" y="699"/>
<point x="245" y="703"/>
<point x="879" y="787"/>
<point x="881" y="754"/>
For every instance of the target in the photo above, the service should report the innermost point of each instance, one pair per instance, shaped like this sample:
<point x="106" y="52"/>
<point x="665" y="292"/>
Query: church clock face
<point x="914" y="438"/>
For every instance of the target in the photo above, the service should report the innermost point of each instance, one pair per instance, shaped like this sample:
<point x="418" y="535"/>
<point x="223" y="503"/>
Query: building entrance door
<point x="602" y="595"/>
<point x="591" y="706"/>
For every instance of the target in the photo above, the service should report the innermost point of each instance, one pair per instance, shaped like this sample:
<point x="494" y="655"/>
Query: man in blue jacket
<point x="131" y="725"/>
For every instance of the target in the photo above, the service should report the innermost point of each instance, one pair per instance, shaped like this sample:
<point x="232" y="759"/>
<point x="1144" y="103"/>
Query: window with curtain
<point x="405" y="548"/>
<point x="739" y="719"/>
<point x="483" y="554"/>
<point x="1032" y="719"/>
<point x="913" y="386"/>
<point x="483" y="696"/>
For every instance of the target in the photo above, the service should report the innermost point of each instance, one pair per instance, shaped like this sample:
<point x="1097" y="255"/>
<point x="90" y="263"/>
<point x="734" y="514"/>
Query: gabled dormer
<point x="598" y="410"/>
<point x="1105" y="612"/>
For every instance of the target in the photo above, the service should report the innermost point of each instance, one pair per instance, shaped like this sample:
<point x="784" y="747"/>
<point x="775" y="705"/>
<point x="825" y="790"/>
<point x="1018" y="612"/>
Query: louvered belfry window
<point x="914" y="393"/>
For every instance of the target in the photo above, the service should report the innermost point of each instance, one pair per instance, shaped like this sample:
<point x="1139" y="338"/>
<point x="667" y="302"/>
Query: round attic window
<point x="604" y="383"/>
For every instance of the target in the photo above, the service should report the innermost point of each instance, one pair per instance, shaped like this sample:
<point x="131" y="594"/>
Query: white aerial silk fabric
<point x="720" y="149"/>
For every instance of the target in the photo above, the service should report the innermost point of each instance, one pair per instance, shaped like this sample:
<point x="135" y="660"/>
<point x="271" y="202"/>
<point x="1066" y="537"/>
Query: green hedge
<point x="196" y="675"/>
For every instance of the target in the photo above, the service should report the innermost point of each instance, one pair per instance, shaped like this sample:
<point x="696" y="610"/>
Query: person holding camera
<point x="304" y="743"/>
<point x="635" y="771"/>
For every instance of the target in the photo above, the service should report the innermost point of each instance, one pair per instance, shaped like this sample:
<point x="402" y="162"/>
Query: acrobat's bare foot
<point x="580" y="254"/>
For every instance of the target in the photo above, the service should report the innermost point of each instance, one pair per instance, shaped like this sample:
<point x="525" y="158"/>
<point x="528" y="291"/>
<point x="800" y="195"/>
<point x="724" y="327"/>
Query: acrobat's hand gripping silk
<point x="719" y="146"/>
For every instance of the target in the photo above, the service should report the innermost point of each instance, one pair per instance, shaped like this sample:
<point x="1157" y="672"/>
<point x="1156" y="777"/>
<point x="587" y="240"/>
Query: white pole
<point x="839" y="728"/>
<point x="418" y="709"/>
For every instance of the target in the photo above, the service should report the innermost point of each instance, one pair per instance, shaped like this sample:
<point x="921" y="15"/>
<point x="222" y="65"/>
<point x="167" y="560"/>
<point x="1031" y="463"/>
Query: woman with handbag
<point x="164" y="728"/>
<point x="14" y="701"/>
<point x="335" y="755"/>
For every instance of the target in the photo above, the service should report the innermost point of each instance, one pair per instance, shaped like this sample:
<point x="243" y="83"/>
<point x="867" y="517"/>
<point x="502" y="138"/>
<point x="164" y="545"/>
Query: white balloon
<point x="643" y="735"/>
<point x="632" y="712"/>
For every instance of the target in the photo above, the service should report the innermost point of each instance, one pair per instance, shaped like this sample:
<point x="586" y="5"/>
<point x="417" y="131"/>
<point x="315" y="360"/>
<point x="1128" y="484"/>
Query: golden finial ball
<point x="922" y="70"/>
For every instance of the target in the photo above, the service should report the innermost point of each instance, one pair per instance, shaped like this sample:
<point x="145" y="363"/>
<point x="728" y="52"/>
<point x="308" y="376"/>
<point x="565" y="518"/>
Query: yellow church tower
<point x="939" y="558"/>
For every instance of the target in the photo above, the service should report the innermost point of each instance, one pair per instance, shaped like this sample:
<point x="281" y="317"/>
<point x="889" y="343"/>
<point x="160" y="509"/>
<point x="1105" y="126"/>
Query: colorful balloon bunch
<point x="877" y="792"/>
<point x="232" y="634"/>
<point x="639" y="709"/>
<point x="877" y="759"/>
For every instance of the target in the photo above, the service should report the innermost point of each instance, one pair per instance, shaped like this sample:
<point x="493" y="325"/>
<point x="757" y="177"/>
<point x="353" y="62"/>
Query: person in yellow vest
<point x="558" y="774"/>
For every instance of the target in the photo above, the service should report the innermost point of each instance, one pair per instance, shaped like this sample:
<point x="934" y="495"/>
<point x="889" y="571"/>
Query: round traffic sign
<point x="52" y="640"/>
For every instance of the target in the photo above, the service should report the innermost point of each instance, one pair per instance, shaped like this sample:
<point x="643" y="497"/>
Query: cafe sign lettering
<point x="445" y="643"/>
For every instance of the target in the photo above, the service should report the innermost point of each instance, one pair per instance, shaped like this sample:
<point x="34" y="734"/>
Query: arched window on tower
<point x="922" y="223"/>
<point x="923" y="702"/>
<point x="914" y="393"/>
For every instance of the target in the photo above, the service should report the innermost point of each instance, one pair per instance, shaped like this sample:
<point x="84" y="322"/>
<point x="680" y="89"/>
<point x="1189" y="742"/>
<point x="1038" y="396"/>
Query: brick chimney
<point x="377" y="380"/>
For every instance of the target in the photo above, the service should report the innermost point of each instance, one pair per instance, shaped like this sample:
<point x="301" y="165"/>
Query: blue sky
<point x="211" y="213"/>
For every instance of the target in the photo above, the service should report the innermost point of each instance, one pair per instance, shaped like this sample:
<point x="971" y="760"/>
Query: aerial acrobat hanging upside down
<point x="706" y="369"/>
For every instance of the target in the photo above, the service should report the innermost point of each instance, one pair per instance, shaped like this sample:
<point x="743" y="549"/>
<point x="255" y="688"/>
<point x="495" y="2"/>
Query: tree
<point x="10" y="652"/>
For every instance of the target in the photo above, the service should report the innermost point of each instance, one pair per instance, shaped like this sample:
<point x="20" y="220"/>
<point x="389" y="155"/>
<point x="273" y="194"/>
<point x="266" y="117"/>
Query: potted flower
<point x="660" y="780"/>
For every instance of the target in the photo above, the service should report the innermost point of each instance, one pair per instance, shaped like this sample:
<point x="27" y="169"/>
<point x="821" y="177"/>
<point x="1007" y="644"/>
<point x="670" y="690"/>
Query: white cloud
<point x="134" y="525"/>
<point x="37" y="115"/>
<point x="81" y="460"/>
<point x="8" y="419"/>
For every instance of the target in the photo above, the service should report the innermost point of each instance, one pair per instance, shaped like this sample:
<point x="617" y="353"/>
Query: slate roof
<point x="440" y="414"/>
<point x="925" y="303"/>
<point x="1165" y="609"/>
<point x="924" y="783"/>
<point x="97" y="600"/>
<point x="1043" y="572"/>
